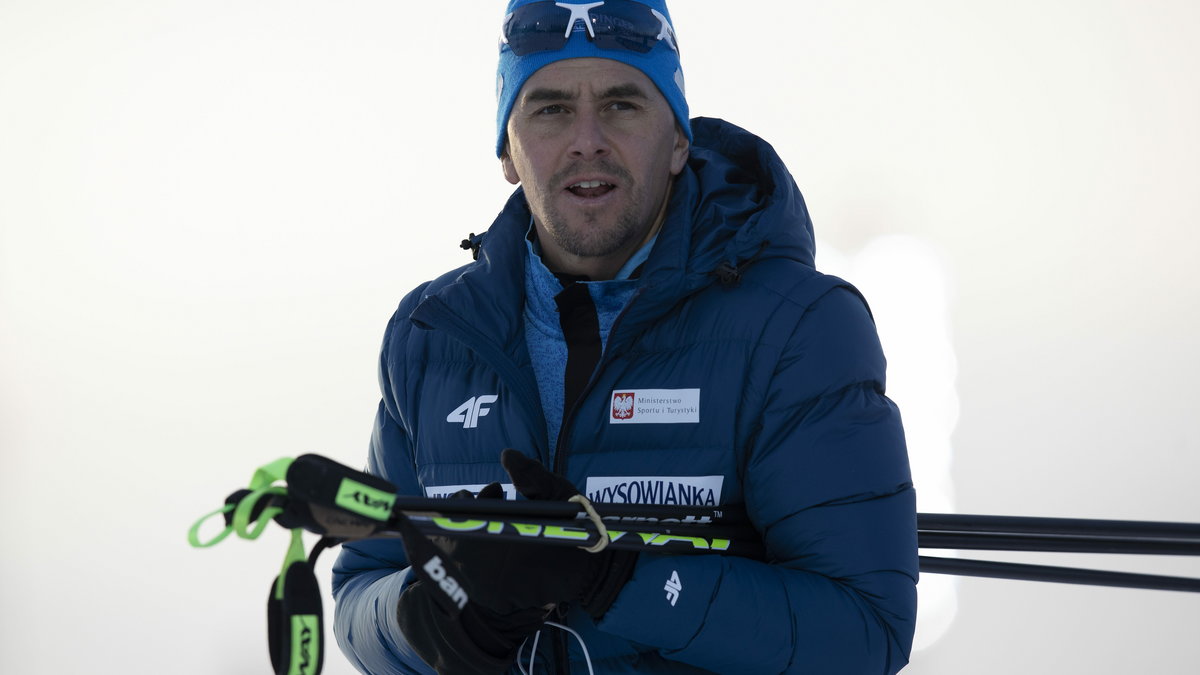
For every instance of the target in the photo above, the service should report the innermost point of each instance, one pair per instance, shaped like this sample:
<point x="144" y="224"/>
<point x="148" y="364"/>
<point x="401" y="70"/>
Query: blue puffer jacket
<point x="787" y="371"/>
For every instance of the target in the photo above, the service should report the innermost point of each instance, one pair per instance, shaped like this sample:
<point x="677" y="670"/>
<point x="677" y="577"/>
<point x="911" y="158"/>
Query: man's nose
<point x="589" y="138"/>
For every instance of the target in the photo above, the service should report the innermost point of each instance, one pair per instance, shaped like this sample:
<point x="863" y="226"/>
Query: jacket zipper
<point x="561" y="644"/>
<point x="562" y="654"/>
<point x="560" y="462"/>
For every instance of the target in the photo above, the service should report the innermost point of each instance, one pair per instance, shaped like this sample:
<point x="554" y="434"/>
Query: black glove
<point x="512" y="586"/>
<point x="477" y="642"/>
<point x="458" y="638"/>
<point x="506" y="577"/>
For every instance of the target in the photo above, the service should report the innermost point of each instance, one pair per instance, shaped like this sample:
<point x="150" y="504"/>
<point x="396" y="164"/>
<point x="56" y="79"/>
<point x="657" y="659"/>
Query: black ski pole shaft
<point x="529" y="508"/>
<point x="954" y="522"/>
<point x="484" y="522"/>
<point x="645" y="536"/>
<point x="1062" y="575"/>
<point x="989" y="541"/>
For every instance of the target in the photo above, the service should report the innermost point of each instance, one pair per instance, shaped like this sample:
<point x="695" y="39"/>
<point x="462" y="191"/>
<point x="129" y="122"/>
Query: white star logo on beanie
<point x="579" y="13"/>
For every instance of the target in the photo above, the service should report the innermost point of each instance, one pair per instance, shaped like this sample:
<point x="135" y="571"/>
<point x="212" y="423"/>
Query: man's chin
<point x="591" y="240"/>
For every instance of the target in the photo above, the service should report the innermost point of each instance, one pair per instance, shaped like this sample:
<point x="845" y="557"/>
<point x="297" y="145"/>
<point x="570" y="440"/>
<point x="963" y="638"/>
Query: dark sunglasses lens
<point x="625" y="25"/>
<point x="536" y="27"/>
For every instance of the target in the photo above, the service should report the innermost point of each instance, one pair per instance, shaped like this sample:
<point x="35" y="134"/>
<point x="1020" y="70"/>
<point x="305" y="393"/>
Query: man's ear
<point x="680" y="151"/>
<point x="510" y="170"/>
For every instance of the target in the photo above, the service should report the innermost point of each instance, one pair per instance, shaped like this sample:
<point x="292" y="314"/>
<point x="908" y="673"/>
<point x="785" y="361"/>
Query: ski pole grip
<point x="321" y="481"/>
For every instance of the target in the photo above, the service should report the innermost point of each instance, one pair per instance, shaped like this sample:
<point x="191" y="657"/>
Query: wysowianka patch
<point x="655" y="406"/>
<point x="674" y="490"/>
<point x="510" y="492"/>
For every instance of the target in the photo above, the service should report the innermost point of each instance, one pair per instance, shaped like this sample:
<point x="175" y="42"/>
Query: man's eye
<point x="621" y="105"/>
<point x="551" y="110"/>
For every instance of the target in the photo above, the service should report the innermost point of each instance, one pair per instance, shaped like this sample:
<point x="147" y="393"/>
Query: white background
<point x="208" y="211"/>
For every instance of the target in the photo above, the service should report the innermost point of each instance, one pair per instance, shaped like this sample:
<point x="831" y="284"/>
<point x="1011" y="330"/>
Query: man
<point x="645" y="257"/>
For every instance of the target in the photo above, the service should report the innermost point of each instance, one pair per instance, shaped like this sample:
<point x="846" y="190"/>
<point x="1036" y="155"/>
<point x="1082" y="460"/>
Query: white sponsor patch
<point x="678" y="490"/>
<point x="655" y="406"/>
<point x="510" y="492"/>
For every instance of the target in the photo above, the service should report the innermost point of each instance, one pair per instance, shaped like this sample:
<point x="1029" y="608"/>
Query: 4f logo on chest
<point x="471" y="410"/>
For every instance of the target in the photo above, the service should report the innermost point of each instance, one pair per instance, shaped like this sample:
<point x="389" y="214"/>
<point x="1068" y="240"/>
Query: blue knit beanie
<point x="660" y="64"/>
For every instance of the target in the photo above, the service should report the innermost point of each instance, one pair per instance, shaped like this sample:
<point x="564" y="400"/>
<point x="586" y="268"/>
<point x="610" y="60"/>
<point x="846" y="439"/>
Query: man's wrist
<point x="499" y="635"/>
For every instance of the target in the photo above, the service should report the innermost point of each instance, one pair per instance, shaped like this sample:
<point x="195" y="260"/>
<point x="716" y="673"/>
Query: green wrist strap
<point x="194" y="531"/>
<point x="295" y="554"/>
<point x="241" y="522"/>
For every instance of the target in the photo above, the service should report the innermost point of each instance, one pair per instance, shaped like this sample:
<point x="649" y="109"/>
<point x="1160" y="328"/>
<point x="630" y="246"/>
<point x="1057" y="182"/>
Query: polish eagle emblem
<point x="622" y="406"/>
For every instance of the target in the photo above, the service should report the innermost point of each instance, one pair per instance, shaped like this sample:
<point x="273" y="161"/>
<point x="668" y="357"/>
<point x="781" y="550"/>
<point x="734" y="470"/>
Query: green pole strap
<point x="295" y="554"/>
<point x="194" y="531"/>
<point x="260" y="487"/>
<point x="241" y="515"/>
<point x="269" y="473"/>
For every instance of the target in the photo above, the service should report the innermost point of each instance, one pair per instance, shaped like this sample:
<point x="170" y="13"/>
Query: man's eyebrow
<point x="543" y="94"/>
<point x="628" y="90"/>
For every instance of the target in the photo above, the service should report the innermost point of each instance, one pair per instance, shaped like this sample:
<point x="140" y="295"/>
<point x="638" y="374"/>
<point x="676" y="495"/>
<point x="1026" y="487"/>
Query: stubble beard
<point x="588" y="236"/>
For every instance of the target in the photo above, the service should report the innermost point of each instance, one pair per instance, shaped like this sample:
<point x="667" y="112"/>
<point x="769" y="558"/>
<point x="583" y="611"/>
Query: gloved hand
<point x="506" y="577"/>
<point x="513" y="587"/>
<point x="478" y="641"/>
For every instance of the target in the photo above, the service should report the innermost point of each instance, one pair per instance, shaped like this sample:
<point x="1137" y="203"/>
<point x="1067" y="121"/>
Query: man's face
<point x="595" y="146"/>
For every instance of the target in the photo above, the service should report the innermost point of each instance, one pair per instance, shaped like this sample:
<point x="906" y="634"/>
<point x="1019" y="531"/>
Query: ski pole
<point x="633" y="536"/>
<point x="341" y="505"/>
<point x="1062" y="575"/>
<point x="954" y="522"/>
<point x="988" y="541"/>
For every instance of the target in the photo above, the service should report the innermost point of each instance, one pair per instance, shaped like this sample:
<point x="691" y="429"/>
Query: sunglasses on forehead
<point x="612" y="24"/>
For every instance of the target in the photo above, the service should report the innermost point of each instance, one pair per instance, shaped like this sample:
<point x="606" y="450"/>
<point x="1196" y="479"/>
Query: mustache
<point x="603" y="165"/>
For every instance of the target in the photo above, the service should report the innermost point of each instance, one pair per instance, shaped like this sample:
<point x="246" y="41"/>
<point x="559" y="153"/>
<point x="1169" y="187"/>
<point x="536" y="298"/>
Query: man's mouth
<point x="590" y="188"/>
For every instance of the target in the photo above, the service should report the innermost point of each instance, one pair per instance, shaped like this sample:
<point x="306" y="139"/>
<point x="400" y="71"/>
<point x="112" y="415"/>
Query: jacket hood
<point x="736" y="202"/>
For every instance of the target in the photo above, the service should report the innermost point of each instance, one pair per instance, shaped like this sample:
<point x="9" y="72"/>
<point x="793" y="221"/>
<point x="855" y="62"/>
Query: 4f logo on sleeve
<point x="471" y="410"/>
<point x="673" y="587"/>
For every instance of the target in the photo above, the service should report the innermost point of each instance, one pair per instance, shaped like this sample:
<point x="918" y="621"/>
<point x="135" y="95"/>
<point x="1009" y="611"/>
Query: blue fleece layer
<point x="543" y="333"/>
